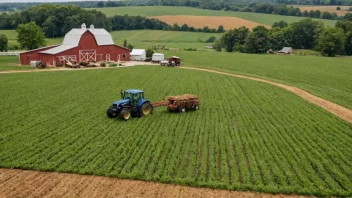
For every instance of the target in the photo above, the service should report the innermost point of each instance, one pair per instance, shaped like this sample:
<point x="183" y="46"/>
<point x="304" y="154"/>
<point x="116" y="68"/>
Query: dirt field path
<point x="24" y="183"/>
<point x="333" y="108"/>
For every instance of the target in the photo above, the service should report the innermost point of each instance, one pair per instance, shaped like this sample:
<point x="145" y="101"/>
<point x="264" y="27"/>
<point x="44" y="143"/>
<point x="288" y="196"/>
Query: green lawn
<point x="246" y="136"/>
<point x="329" y="78"/>
<point x="267" y="19"/>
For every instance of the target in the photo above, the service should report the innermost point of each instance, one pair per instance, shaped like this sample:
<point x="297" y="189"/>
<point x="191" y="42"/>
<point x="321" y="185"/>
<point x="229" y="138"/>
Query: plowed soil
<point x="210" y="21"/>
<point x="28" y="184"/>
<point x="342" y="12"/>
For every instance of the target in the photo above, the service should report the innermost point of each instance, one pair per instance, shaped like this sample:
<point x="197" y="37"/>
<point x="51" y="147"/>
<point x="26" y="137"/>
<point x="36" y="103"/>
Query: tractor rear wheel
<point x="125" y="114"/>
<point x="146" y="109"/>
<point x="111" y="114"/>
<point x="196" y="107"/>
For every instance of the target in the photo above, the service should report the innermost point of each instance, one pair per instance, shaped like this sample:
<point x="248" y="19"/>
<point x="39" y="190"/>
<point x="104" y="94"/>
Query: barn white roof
<point x="73" y="37"/>
<point x="137" y="52"/>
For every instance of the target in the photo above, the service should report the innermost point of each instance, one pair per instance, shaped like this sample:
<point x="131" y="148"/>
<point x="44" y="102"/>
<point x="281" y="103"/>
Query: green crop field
<point x="329" y="78"/>
<point x="246" y="136"/>
<point x="144" y="38"/>
<point x="267" y="19"/>
<point x="10" y="63"/>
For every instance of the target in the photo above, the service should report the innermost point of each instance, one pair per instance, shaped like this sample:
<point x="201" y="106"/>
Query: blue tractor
<point x="132" y="104"/>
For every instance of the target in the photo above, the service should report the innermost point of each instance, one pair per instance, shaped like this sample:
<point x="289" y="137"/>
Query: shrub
<point x="102" y="64"/>
<point x="190" y="49"/>
<point x="210" y="39"/>
<point x="113" y="65"/>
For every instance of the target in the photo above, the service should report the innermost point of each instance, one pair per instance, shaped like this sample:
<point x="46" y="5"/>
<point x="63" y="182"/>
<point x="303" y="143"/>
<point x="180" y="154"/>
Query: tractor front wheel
<point x="111" y="114"/>
<point x="146" y="109"/>
<point x="196" y="107"/>
<point x="125" y="114"/>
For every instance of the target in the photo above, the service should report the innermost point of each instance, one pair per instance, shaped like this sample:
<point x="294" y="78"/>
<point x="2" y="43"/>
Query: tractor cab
<point x="132" y="103"/>
<point x="133" y="95"/>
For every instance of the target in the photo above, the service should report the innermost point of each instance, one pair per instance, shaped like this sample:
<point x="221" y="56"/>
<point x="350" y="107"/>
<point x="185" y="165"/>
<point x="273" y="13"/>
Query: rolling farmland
<point x="10" y="63"/>
<point x="342" y="12"/>
<point x="328" y="78"/>
<point x="146" y="38"/>
<point x="148" y="11"/>
<point x="210" y="21"/>
<point x="247" y="135"/>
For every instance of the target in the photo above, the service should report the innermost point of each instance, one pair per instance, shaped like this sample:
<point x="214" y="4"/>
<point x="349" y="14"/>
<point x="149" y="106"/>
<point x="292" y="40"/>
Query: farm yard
<point x="210" y="21"/>
<point x="252" y="128"/>
<point x="149" y="11"/>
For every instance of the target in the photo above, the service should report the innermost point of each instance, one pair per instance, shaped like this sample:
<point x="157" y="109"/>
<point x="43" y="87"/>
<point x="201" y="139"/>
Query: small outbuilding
<point x="138" y="55"/>
<point x="157" y="57"/>
<point x="286" y="50"/>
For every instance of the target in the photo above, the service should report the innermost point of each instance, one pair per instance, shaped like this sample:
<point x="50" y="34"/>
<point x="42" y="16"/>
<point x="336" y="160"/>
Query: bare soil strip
<point x="210" y="21"/>
<point x="24" y="183"/>
<point x="333" y="108"/>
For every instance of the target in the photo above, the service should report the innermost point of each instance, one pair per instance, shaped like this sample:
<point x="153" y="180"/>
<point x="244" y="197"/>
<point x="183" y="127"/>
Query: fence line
<point x="10" y="53"/>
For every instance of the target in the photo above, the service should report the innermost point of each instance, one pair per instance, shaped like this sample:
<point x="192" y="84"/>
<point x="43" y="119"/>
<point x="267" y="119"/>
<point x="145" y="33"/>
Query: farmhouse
<point x="79" y="45"/>
<point x="138" y="54"/>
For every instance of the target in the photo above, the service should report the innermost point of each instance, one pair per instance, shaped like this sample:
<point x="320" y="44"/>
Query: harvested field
<point x="24" y="183"/>
<point x="342" y="12"/>
<point x="210" y="21"/>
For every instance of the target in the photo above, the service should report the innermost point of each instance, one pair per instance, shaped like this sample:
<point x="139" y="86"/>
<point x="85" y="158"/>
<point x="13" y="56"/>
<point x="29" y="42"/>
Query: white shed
<point x="138" y="55"/>
<point x="157" y="57"/>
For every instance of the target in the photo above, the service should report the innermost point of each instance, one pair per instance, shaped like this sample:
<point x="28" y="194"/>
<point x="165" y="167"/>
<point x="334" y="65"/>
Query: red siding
<point x="27" y="57"/>
<point x="87" y="42"/>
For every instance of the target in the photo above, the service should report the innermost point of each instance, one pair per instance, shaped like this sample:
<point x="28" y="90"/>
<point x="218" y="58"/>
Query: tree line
<point x="315" y="2"/>
<point x="305" y="34"/>
<point x="267" y="8"/>
<point x="57" y="20"/>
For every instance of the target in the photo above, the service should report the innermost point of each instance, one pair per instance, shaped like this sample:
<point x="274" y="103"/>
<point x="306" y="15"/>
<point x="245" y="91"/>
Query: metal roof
<point x="101" y="36"/>
<point x="38" y="49"/>
<point x="137" y="52"/>
<point x="58" y="49"/>
<point x="134" y="91"/>
<point x="158" y="54"/>
<point x="286" y="50"/>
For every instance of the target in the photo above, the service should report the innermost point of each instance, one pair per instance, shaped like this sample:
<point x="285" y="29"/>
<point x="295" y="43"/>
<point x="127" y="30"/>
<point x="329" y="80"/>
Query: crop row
<point x="246" y="135"/>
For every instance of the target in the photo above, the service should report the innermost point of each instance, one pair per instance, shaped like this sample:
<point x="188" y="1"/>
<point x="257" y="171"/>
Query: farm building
<point x="138" y="54"/>
<point x="157" y="57"/>
<point x="79" y="45"/>
<point x="286" y="50"/>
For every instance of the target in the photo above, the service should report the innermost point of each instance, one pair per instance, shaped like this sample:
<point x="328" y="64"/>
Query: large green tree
<point x="30" y="36"/>
<point x="3" y="43"/>
<point x="277" y="38"/>
<point x="258" y="40"/>
<point x="49" y="27"/>
<point x="228" y="40"/>
<point x="331" y="42"/>
<point x="305" y="32"/>
<point x="347" y="28"/>
<point x="280" y="24"/>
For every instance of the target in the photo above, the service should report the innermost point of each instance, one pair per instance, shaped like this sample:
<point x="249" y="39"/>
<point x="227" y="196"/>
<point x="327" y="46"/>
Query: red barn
<point x="79" y="45"/>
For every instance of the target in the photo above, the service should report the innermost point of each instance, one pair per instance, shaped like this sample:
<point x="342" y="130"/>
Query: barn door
<point x="87" y="55"/>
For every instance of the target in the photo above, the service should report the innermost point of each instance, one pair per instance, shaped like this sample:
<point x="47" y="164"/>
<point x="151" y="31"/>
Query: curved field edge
<point x="328" y="78"/>
<point x="247" y="135"/>
<point x="65" y="185"/>
<point x="267" y="19"/>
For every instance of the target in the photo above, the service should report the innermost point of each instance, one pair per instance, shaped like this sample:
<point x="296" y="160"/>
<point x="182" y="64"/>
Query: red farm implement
<point x="179" y="103"/>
